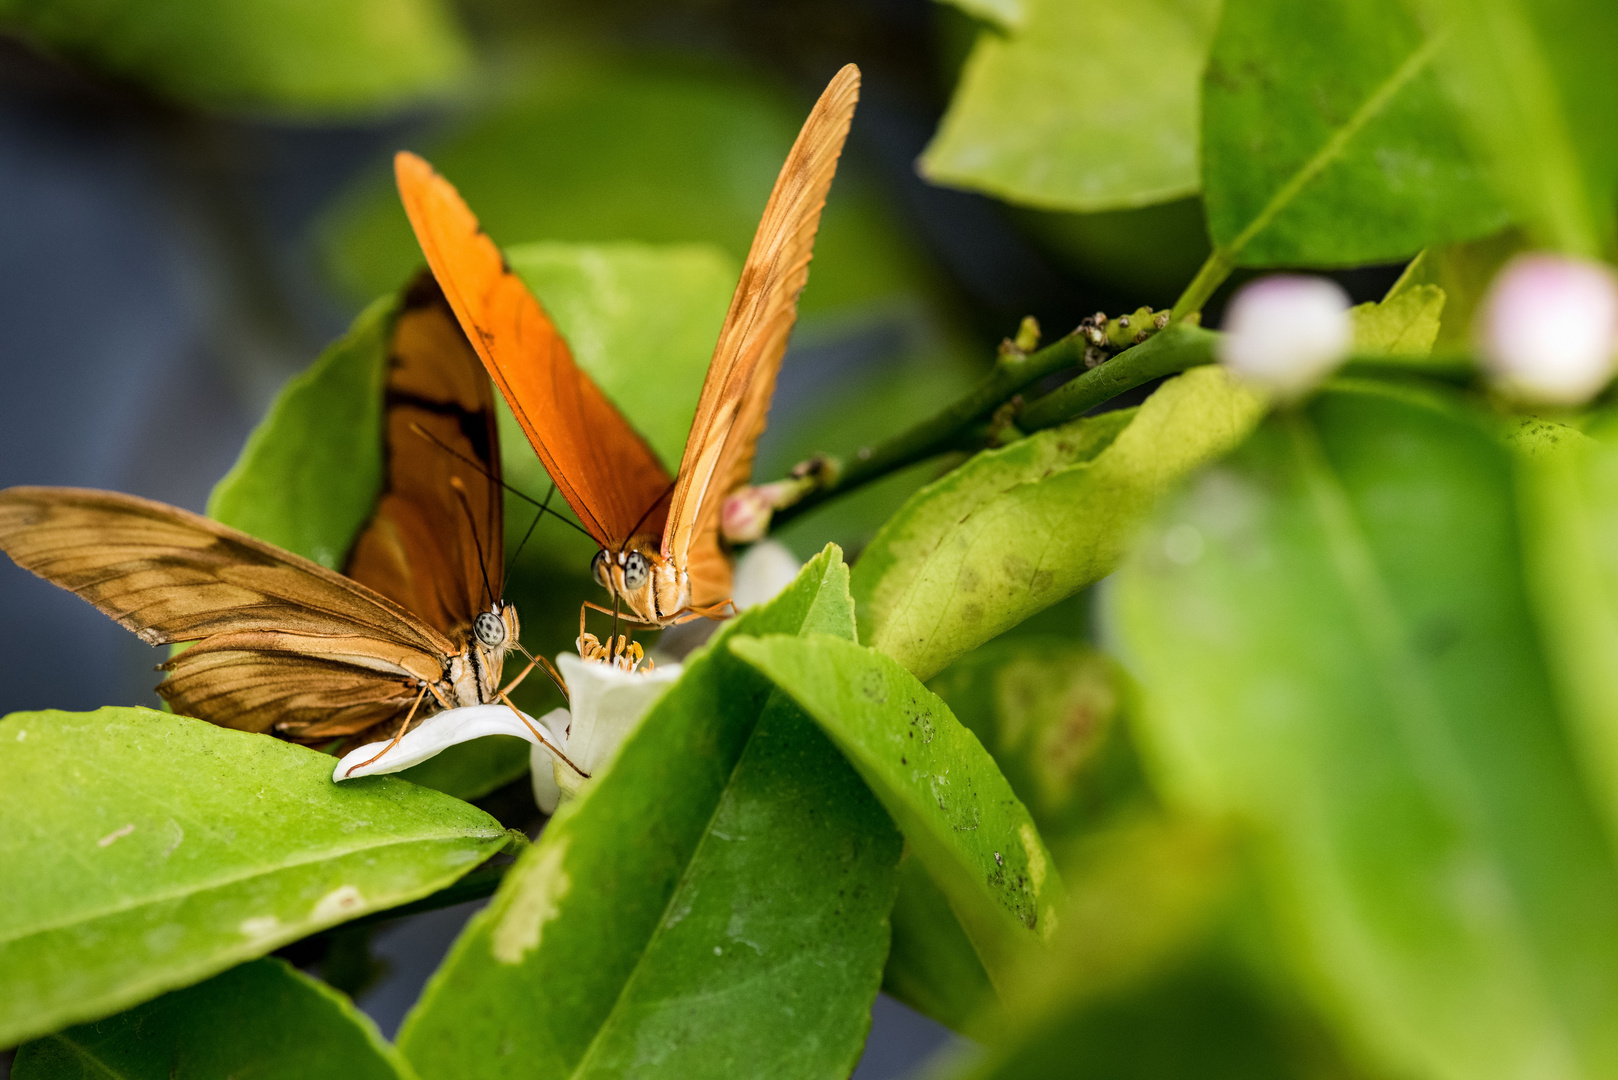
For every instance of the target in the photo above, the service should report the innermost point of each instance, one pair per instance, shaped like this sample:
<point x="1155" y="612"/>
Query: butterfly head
<point x="650" y="587"/>
<point x="495" y="630"/>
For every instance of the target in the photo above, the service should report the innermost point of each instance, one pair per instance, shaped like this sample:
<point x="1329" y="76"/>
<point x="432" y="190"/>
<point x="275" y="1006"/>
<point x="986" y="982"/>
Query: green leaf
<point x="1569" y="486"/>
<point x="1404" y="324"/>
<point x="942" y="788"/>
<point x="145" y="851"/>
<point x="716" y="902"/>
<point x="1051" y="711"/>
<point x="1016" y="529"/>
<point x="1326" y="139"/>
<point x="1534" y="79"/>
<point x="308" y="477"/>
<point x="1464" y="271"/>
<point x="1142" y="980"/>
<point x="310" y="57"/>
<point x="1086" y="106"/>
<point x="263" y="1019"/>
<point x="1337" y="650"/>
<point x="932" y="966"/>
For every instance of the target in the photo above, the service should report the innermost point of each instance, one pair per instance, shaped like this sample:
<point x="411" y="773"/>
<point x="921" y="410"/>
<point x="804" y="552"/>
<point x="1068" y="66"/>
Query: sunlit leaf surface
<point x="1085" y="105"/>
<point x="146" y="851"/>
<point x="1016" y="529"/>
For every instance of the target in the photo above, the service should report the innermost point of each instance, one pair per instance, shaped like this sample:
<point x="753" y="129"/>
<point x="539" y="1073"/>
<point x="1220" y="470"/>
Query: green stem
<point x="1214" y="271"/>
<point x="1179" y="347"/>
<point x="944" y="430"/>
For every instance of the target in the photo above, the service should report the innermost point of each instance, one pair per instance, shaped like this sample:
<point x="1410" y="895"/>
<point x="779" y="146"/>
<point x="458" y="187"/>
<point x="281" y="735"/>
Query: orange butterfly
<point x="283" y="644"/>
<point x="660" y="544"/>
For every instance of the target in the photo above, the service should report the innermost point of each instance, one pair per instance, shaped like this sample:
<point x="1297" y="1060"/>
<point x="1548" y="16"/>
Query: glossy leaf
<point x="1084" y="106"/>
<point x="716" y="902"/>
<point x="1051" y="711"/>
<point x="1534" y="80"/>
<point x="145" y="851"/>
<point x="1327" y="140"/>
<point x="942" y="788"/>
<point x="309" y="475"/>
<point x="1337" y="649"/>
<point x="1016" y="529"/>
<point x="313" y="57"/>
<point x="262" y="1019"/>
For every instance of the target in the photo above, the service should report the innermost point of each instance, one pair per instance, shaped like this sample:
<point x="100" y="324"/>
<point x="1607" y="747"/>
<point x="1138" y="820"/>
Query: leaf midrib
<point x="1333" y="148"/>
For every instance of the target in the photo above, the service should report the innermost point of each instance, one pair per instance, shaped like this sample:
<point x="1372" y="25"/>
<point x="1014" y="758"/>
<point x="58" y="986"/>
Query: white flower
<point x="761" y="573"/>
<point x="1549" y="328"/>
<point x="607" y="703"/>
<point x="1286" y="333"/>
<point x="441" y="731"/>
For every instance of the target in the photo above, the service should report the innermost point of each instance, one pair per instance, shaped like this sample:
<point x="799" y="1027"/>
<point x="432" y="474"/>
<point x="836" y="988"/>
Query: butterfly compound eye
<point x="598" y="569"/>
<point x="489" y="629"/>
<point x="635" y="570"/>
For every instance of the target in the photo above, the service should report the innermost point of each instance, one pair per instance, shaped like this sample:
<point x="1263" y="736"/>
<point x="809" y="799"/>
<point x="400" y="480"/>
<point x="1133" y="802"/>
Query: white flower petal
<point x="438" y="733"/>
<point x="606" y="705"/>
<point x="761" y="573"/>
<point x="1286" y="332"/>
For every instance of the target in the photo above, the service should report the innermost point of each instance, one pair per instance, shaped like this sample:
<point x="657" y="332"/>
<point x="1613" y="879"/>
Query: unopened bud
<point x="1549" y="328"/>
<point x="746" y="515"/>
<point x="1286" y="333"/>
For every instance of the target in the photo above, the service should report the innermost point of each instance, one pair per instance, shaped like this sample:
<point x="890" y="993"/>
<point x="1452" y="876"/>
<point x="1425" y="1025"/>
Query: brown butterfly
<point x="660" y="545"/>
<point x="283" y="644"/>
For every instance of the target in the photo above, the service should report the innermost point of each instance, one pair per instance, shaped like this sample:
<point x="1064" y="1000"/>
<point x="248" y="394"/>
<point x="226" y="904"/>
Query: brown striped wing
<point x="435" y="546"/>
<point x="304" y="639"/>
<point x="735" y="401"/>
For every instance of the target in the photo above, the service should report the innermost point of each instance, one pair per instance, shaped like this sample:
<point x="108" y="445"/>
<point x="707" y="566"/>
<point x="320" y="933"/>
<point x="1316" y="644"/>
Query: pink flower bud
<point x="1549" y="328"/>
<point x="1286" y="333"/>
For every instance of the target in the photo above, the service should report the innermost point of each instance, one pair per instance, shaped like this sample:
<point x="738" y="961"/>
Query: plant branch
<point x="1213" y="273"/>
<point x="944" y="430"/>
<point x="1176" y="349"/>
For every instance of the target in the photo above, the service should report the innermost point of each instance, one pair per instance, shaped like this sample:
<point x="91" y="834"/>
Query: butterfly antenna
<point x="477" y="465"/>
<point x="532" y="525"/>
<point x="471" y="519"/>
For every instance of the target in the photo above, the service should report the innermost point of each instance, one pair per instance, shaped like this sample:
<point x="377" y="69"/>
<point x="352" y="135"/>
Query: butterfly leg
<point x="414" y="705"/>
<point x="543" y="737"/>
<point x="533" y="662"/>
<point x="717" y="611"/>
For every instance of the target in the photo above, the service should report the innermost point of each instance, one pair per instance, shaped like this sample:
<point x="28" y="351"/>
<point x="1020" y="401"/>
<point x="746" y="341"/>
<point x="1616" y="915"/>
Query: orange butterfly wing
<point x="735" y="400"/>
<point x="605" y="470"/>
<point x="435" y="544"/>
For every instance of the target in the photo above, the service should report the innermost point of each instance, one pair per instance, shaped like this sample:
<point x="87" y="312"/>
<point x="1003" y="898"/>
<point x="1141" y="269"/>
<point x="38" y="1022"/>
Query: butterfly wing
<point x="736" y="394"/>
<point x="308" y="698"/>
<point x="170" y="575"/>
<point x="605" y="470"/>
<point x="435" y="546"/>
